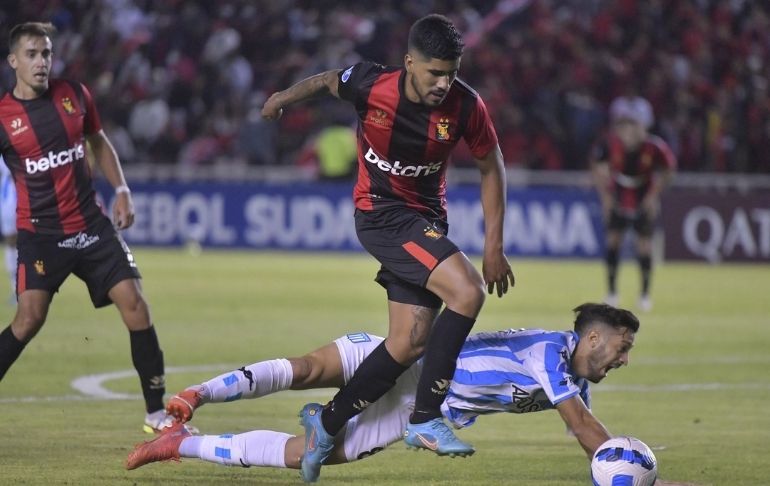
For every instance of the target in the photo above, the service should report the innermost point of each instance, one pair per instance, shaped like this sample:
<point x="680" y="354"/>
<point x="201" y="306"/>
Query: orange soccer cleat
<point x="182" y="405"/>
<point x="164" y="447"/>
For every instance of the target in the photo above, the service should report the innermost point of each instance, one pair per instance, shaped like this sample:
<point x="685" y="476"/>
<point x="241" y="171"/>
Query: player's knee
<point x="406" y="349"/>
<point x="467" y="297"/>
<point x="26" y="325"/>
<point x="304" y="371"/>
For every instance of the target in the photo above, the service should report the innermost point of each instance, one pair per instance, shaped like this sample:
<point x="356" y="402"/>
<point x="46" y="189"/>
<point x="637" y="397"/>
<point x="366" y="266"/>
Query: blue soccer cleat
<point x="318" y="442"/>
<point x="435" y="436"/>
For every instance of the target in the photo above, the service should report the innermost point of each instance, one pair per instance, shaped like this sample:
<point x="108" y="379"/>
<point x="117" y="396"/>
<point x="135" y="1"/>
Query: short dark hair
<point x="436" y="37"/>
<point x="35" y="29"/>
<point x="588" y="313"/>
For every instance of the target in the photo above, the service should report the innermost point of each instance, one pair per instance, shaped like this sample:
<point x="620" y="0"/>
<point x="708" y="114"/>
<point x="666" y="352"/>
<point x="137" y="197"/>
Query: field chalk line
<point x="92" y="387"/>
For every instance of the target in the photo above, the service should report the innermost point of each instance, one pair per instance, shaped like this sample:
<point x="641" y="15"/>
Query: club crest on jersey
<point x="432" y="233"/>
<point x="66" y="103"/>
<point x="646" y="160"/>
<point x="379" y="117"/>
<point x="442" y="129"/>
<point x="39" y="267"/>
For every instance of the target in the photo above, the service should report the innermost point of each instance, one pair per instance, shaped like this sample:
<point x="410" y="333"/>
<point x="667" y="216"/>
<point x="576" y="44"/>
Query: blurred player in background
<point x="8" y="225"/>
<point x="44" y="126"/>
<point x="410" y="119"/>
<point x="515" y="371"/>
<point x="630" y="168"/>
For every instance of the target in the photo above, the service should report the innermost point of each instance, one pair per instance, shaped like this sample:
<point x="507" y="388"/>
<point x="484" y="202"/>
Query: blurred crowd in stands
<point x="182" y="81"/>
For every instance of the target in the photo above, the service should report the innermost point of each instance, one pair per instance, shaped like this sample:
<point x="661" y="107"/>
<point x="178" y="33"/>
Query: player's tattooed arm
<point x="319" y="84"/>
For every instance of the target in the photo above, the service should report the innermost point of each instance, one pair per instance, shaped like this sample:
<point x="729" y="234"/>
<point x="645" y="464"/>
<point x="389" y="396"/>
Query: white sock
<point x="11" y="262"/>
<point x="252" y="381"/>
<point x="255" y="448"/>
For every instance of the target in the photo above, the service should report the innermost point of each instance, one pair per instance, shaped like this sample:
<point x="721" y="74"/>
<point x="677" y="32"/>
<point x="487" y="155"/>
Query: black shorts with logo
<point x="409" y="245"/>
<point x="98" y="256"/>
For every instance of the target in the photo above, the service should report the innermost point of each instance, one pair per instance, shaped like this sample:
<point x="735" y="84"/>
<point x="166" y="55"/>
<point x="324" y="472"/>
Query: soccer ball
<point x="624" y="461"/>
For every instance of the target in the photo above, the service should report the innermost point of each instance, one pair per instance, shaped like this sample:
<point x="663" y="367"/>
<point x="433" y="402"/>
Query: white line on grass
<point x="91" y="387"/>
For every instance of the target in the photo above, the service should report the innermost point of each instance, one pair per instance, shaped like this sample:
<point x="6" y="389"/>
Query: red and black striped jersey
<point x="632" y="172"/>
<point x="43" y="142"/>
<point x="404" y="147"/>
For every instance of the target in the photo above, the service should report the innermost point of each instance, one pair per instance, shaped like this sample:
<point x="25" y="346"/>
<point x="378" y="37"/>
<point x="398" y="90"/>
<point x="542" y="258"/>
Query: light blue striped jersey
<point x="516" y="371"/>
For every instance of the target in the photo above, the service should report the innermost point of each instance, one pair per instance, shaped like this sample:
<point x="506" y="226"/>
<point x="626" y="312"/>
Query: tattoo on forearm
<point x="306" y="89"/>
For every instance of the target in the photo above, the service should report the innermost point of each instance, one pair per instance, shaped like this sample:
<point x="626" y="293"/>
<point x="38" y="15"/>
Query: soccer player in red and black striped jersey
<point x="44" y="127"/>
<point x="631" y="167"/>
<point x="410" y="119"/>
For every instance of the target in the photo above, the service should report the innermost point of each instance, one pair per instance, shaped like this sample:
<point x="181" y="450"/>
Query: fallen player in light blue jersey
<point x="516" y="371"/>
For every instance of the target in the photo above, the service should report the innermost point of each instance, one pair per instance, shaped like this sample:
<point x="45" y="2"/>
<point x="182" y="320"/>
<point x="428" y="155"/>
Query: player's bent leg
<point x="30" y="316"/>
<point x="612" y="260"/>
<point x="128" y="298"/>
<point x="644" y="256"/>
<point x="408" y="330"/>
<point x="146" y="353"/>
<point x="321" y="368"/>
<point x="31" y="313"/>
<point x="458" y="283"/>
<point x="254" y="448"/>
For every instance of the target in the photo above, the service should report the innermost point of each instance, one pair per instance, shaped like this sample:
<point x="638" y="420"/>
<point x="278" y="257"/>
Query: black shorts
<point x="409" y="245"/>
<point x="99" y="257"/>
<point x="639" y="220"/>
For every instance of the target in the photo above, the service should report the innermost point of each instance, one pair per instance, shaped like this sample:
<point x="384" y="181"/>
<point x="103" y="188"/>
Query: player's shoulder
<point x="462" y="88"/>
<point x="6" y="94"/>
<point x="363" y="68"/>
<point x="58" y="84"/>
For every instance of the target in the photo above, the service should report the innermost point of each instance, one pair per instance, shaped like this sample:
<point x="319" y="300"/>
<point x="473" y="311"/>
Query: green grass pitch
<point x="697" y="389"/>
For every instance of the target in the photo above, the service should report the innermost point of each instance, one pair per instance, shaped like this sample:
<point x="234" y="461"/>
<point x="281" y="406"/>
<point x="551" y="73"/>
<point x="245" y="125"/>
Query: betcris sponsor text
<point x="396" y="168"/>
<point x="53" y="160"/>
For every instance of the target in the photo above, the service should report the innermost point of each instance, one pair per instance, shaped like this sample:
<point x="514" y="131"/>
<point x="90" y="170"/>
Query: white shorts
<point x="383" y="422"/>
<point x="7" y="201"/>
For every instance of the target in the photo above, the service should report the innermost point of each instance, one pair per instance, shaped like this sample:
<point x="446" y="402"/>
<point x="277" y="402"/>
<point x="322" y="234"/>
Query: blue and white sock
<point x="255" y="448"/>
<point x="252" y="381"/>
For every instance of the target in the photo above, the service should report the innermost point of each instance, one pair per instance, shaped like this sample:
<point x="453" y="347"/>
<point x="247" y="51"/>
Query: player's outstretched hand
<point x="497" y="273"/>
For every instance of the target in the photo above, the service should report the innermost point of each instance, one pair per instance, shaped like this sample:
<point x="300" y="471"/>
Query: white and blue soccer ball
<point x="624" y="461"/>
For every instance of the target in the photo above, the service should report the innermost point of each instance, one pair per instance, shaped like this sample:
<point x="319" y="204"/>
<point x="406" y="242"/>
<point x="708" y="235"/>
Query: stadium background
<point x="179" y="85"/>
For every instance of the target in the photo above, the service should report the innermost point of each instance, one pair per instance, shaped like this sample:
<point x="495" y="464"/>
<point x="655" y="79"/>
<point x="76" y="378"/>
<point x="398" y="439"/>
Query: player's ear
<point x="408" y="62"/>
<point x="12" y="60"/>
<point x="594" y="337"/>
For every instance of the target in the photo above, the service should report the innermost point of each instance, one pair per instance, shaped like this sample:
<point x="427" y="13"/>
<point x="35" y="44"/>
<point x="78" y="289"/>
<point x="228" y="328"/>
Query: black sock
<point x="374" y="377"/>
<point x="10" y="349"/>
<point x="444" y="344"/>
<point x="611" y="258"/>
<point x="148" y="361"/>
<point x="645" y="265"/>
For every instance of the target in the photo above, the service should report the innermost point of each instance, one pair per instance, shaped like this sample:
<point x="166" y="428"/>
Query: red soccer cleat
<point x="182" y="405"/>
<point x="164" y="447"/>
